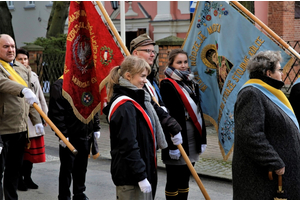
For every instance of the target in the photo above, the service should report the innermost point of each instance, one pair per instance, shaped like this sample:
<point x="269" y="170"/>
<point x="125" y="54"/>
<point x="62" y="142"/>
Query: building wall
<point x="281" y="19"/>
<point x="28" y="22"/>
<point x="261" y="10"/>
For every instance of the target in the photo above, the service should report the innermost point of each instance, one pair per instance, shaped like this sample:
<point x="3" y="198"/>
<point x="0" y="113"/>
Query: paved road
<point x="211" y="168"/>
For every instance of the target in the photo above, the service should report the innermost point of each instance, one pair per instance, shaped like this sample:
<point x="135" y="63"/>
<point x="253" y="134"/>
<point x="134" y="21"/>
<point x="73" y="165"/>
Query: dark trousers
<point x="26" y="170"/>
<point x="177" y="186"/>
<point x="73" y="167"/>
<point x="11" y="160"/>
<point x="154" y="184"/>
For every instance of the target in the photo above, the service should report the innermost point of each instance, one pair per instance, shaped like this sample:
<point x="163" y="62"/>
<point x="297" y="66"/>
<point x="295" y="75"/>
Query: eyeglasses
<point x="148" y="51"/>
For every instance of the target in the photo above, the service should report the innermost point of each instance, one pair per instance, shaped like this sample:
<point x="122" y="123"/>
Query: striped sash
<point x="122" y="99"/>
<point x="189" y="104"/>
<point x="275" y="95"/>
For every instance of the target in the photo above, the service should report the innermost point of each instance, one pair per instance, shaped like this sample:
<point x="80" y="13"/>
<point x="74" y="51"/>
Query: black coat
<point x="265" y="139"/>
<point x="132" y="145"/>
<point x="295" y="99"/>
<point x="176" y="109"/>
<point x="62" y="115"/>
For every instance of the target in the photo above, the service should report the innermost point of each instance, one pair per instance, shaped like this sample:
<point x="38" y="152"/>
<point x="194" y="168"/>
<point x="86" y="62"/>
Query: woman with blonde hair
<point x="135" y="130"/>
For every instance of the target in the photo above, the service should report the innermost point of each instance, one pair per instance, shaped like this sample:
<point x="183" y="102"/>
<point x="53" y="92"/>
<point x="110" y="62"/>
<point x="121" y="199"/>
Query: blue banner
<point x="219" y="43"/>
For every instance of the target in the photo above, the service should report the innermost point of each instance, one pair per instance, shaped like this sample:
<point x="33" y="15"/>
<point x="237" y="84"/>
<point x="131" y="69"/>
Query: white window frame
<point x="10" y="5"/>
<point x="29" y="5"/>
<point x="50" y="4"/>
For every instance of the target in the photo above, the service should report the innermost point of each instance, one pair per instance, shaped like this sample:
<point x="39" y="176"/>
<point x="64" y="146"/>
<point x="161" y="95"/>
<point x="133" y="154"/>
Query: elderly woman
<point x="266" y="134"/>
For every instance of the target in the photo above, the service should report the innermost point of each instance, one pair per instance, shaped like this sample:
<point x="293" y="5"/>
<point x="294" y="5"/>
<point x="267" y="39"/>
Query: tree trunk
<point x="5" y="20"/>
<point x="57" y="18"/>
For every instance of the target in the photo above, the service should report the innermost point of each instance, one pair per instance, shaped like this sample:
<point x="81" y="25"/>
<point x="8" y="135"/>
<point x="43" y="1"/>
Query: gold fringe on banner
<point x="76" y="112"/>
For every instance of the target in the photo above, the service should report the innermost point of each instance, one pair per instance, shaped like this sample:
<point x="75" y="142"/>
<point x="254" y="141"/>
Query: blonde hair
<point x="132" y="65"/>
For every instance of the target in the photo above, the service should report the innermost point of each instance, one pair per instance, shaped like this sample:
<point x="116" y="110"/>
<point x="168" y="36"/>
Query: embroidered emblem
<point x="82" y="53"/>
<point x="218" y="11"/>
<point x="106" y="55"/>
<point x="87" y="98"/>
<point x="227" y="128"/>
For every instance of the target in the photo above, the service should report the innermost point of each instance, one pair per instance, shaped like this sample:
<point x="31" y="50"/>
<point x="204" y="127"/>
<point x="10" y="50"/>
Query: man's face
<point x="7" y="48"/>
<point x="141" y="52"/>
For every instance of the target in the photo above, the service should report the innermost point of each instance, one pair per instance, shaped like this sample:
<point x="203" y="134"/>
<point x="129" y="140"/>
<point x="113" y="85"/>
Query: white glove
<point x="97" y="134"/>
<point x="203" y="147"/>
<point x="177" y="139"/>
<point x="61" y="143"/>
<point x="1" y="149"/>
<point x="174" y="154"/>
<point x="29" y="96"/>
<point x="164" y="108"/>
<point x="145" y="186"/>
<point x="39" y="129"/>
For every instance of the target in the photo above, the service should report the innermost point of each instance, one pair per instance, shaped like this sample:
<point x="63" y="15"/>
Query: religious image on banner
<point x="91" y="54"/>
<point x="219" y="44"/>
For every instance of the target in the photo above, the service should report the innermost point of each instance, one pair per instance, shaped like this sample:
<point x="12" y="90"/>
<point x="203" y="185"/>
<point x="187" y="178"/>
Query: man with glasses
<point x="143" y="47"/>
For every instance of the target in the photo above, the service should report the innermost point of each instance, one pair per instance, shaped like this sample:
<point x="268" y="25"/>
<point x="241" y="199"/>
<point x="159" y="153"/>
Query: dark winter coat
<point x="295" y="99"/>
<point x="62" y="115"/>
<point x="265" y="139"/>
<point x="176" y="109"/>
<point x="132" y="145"/>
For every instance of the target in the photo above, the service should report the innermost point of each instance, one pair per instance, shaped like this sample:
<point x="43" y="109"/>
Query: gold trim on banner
<point x="204" y="59"/>
<point x="76" y="112"/>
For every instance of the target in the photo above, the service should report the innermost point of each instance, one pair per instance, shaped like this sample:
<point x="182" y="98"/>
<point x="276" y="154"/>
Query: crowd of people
<point x="145" y="116"/>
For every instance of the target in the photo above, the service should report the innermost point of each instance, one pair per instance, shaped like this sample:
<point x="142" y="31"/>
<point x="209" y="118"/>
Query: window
<point x="10" y="5"/>
<point x="50" y="4"/>
<point x="29" y="5"/>
<point x="297" y="9"/>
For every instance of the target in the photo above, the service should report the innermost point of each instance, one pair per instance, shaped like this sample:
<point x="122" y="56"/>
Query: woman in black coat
<point x="135" y="130"/>
<point x="266" y="134"/>
<point x="180" y="94"/>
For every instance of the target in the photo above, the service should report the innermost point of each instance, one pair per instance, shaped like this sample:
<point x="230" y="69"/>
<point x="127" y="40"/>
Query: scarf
<point x="13" y="73"/>
<point x="185" y="79"/>
<point x="160" y="137"/>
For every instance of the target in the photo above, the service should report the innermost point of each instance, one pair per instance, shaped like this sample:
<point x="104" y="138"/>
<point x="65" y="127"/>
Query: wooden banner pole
<point x="40" y="111"/>
<point x="266" y="28"/>
<point x="116" y="33"/>
<point x="188" y="162"/>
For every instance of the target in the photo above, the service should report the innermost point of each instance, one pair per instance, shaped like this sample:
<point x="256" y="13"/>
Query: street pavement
<point x="211" y="162"/>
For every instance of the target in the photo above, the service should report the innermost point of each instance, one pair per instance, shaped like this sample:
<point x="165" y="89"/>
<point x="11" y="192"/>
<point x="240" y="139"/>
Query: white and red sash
<point x="122" y="99"/>
<point x="189" y="104"/>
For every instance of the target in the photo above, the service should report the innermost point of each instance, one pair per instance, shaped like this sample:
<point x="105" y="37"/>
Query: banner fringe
<point x="288" y="65"/>
<point x="211" y="120"/>
<point x="225" y="157"/>
<point x="76" y="112"/>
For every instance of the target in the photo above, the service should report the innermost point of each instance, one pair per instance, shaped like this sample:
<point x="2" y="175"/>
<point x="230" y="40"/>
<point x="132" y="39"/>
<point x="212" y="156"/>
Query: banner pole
<point x="188" y="162"/>
<point x="113" y="28"/>
<point x="116" y="33"/>
<point x="40" y="111"/>
<point x="266" y="28"/>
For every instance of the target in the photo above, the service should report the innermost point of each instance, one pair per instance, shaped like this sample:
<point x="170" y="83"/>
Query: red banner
<point x="91" y="53"/>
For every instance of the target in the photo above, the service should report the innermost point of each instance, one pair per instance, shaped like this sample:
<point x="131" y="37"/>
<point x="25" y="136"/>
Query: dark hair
<point x="22" y="51"/>
<point x="173" y="54"/>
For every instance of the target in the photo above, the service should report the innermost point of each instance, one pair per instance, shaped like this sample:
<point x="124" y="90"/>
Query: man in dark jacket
<point x="80" y="136"/>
